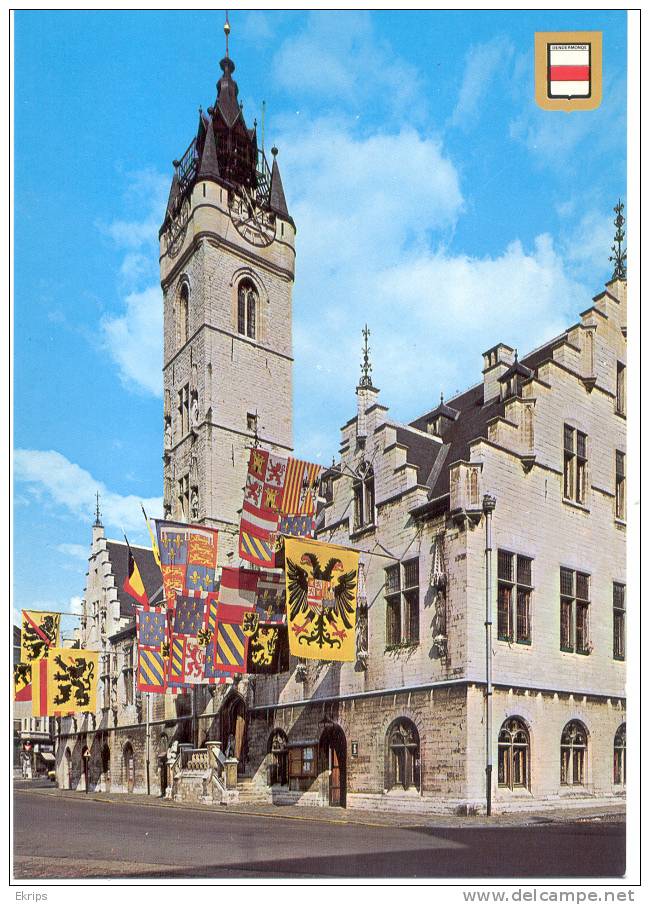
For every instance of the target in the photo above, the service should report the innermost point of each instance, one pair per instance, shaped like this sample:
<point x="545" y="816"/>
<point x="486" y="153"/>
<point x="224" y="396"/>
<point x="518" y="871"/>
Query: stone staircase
<point x="204" y="775"/>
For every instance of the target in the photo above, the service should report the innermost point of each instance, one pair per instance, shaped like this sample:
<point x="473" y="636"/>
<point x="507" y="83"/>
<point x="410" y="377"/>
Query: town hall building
<point x="490" y="641"/>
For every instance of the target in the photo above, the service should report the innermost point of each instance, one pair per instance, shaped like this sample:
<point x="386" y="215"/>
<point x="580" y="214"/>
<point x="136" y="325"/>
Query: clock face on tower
<point x="251" y="221"/>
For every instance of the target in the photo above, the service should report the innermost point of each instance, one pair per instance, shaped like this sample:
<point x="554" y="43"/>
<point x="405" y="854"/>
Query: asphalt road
<point x="81" y="838"/>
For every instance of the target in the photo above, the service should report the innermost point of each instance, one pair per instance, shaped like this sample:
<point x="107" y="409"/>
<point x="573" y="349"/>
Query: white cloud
<point x="338" y="57"/>
<point x="133" y="337"/>
<point x="76" y="605"/>
<point x="374" y="245"/>
<point x="76" y="551"/>
<point x="48" y="473"/>
<point x="483" y="64"/>
<point x="554" y="139"/>
<point x="134" y="341"/>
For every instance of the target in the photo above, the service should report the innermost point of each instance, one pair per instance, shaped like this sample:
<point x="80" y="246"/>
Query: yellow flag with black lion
<point x="321" y="582"/>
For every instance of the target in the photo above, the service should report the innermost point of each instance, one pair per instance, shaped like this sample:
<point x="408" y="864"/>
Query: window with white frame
<point x="514" y="746"/>
<point x="575" y="465"/>
<point x="619" y="620"/>
<point x="515" y="588"/>
<point x="574" y="611"/>
<point x="573" y="754"/>
<point x="620" y="484"/>
<point x="402" y="594"/>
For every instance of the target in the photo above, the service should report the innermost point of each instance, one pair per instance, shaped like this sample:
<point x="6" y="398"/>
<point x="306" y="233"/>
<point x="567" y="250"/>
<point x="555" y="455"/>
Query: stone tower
<point x="227" y="269"/>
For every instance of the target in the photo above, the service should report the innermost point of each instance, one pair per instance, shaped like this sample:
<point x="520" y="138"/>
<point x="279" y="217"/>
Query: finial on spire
<point x="516" y="355"/>
<point x="226" y="30"/>
<point x="619" y="258"/>
<point x="366" y="367"/>
<point x="442" y="398"/>
<point x="98" y="521"/>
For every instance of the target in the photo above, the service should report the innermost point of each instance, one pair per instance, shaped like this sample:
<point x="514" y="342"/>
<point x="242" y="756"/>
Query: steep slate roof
<point x="470" y="424"/>
<point x="151" y="577"/>
<point x="421" y="451"/>
<point x="277" y="200"/>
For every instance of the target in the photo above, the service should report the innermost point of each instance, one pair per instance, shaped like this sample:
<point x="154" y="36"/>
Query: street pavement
<point x="60" y="835"/>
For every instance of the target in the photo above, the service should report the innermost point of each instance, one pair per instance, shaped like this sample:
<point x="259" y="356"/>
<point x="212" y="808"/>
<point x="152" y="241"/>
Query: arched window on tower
<point x="514" y="746"/>
<point x="183" y="314"/>
<point x="247" y="300"/>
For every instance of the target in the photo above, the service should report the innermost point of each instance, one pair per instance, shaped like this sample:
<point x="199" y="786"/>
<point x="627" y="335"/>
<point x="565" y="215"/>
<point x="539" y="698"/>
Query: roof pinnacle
<point x="98" y="521"/>
<point x="366" y="367"/>
<point x="226" y="30"/>
<point x="619" y="258"/>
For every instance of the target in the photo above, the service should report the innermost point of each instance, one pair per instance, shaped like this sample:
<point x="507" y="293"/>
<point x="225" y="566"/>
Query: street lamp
<point x="489" y="504"/>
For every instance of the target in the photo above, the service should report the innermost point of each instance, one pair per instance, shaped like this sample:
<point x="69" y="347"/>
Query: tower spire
<point x="366" y="367"/>
<point x="619" y="258"/>
<point x="226" y="30"/>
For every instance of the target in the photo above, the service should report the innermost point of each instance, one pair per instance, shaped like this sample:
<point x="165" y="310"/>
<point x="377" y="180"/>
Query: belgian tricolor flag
<point x="133" y="583"/>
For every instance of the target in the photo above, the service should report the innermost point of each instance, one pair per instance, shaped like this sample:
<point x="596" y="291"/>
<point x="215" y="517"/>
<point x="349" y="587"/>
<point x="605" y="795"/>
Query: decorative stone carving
<point x="168" y="432"/>
<point x="194" y="409"/>
<point x="194" y="504"/>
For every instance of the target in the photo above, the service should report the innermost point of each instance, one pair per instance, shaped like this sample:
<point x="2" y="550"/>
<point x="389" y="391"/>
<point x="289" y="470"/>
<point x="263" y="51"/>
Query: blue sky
<point x="433" y="200"/>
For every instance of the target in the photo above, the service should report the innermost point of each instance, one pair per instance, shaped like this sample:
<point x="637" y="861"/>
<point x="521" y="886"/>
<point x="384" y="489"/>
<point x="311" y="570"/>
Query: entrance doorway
<point x="106" y="766"/>
<point x="233" y="729"/>
<point x="129" y="767"/>
<point x="333" y="748"/>
<point x="67" y="770"/>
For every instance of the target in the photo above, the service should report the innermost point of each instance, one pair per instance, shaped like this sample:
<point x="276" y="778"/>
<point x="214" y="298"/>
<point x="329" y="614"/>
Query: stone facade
<point x="404" y="726"/>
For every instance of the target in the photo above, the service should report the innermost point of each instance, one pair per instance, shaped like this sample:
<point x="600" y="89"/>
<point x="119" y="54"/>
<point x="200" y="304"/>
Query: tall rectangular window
<point x="514" y="592"/>
<point x="402" y="590"/>
<point x="363" y="495"/>
<point x="620" y="388"/>
<point x="184" y="409"/>
<point x="575" y="464"/>
<point x="128" y="674"/>
<point x="619" y="621"/>
<point x="411" y="596"/>
<point x="620" y="484"/>
<point x="574" y="611"/>
<point x="393" y="608"/>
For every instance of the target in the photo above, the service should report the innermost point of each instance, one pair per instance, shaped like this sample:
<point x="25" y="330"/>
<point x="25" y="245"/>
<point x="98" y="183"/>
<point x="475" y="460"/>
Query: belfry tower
<point x="227" y="269"/>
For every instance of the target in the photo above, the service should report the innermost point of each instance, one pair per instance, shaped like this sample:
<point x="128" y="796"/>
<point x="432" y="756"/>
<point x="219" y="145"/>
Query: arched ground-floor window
<point x="514" y="755"/>
<point x="573" y="754"/>
<point x="402" y="766"/>
<point x="619" y="756"/>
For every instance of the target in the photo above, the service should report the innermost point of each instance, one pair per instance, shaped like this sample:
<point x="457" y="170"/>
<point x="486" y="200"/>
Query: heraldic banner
<point x="39" y="632"/>
<point x="22" y="682"/>
<point x="188" y="558"/>
<point x="321" y="584"/>
<point x="279" y="498"/>
<point x="65" y="683"/>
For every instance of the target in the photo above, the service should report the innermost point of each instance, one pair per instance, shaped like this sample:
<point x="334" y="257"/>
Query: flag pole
<point x="148" y="741"/>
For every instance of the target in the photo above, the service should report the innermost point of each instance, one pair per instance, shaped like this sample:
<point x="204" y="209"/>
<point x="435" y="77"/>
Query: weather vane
<point x="366" y="367"/>
<point x="619" y="258"/>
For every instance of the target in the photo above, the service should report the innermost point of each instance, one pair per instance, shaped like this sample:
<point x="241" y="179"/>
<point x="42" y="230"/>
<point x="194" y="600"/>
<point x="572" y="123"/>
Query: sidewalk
<point x="615" y="813"/>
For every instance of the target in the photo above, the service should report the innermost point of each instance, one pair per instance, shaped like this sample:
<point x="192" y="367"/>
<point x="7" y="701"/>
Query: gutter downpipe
<point x="489" y="504"/>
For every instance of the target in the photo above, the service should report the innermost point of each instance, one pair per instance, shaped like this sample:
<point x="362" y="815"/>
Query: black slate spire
<point x="277" y="200"/>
